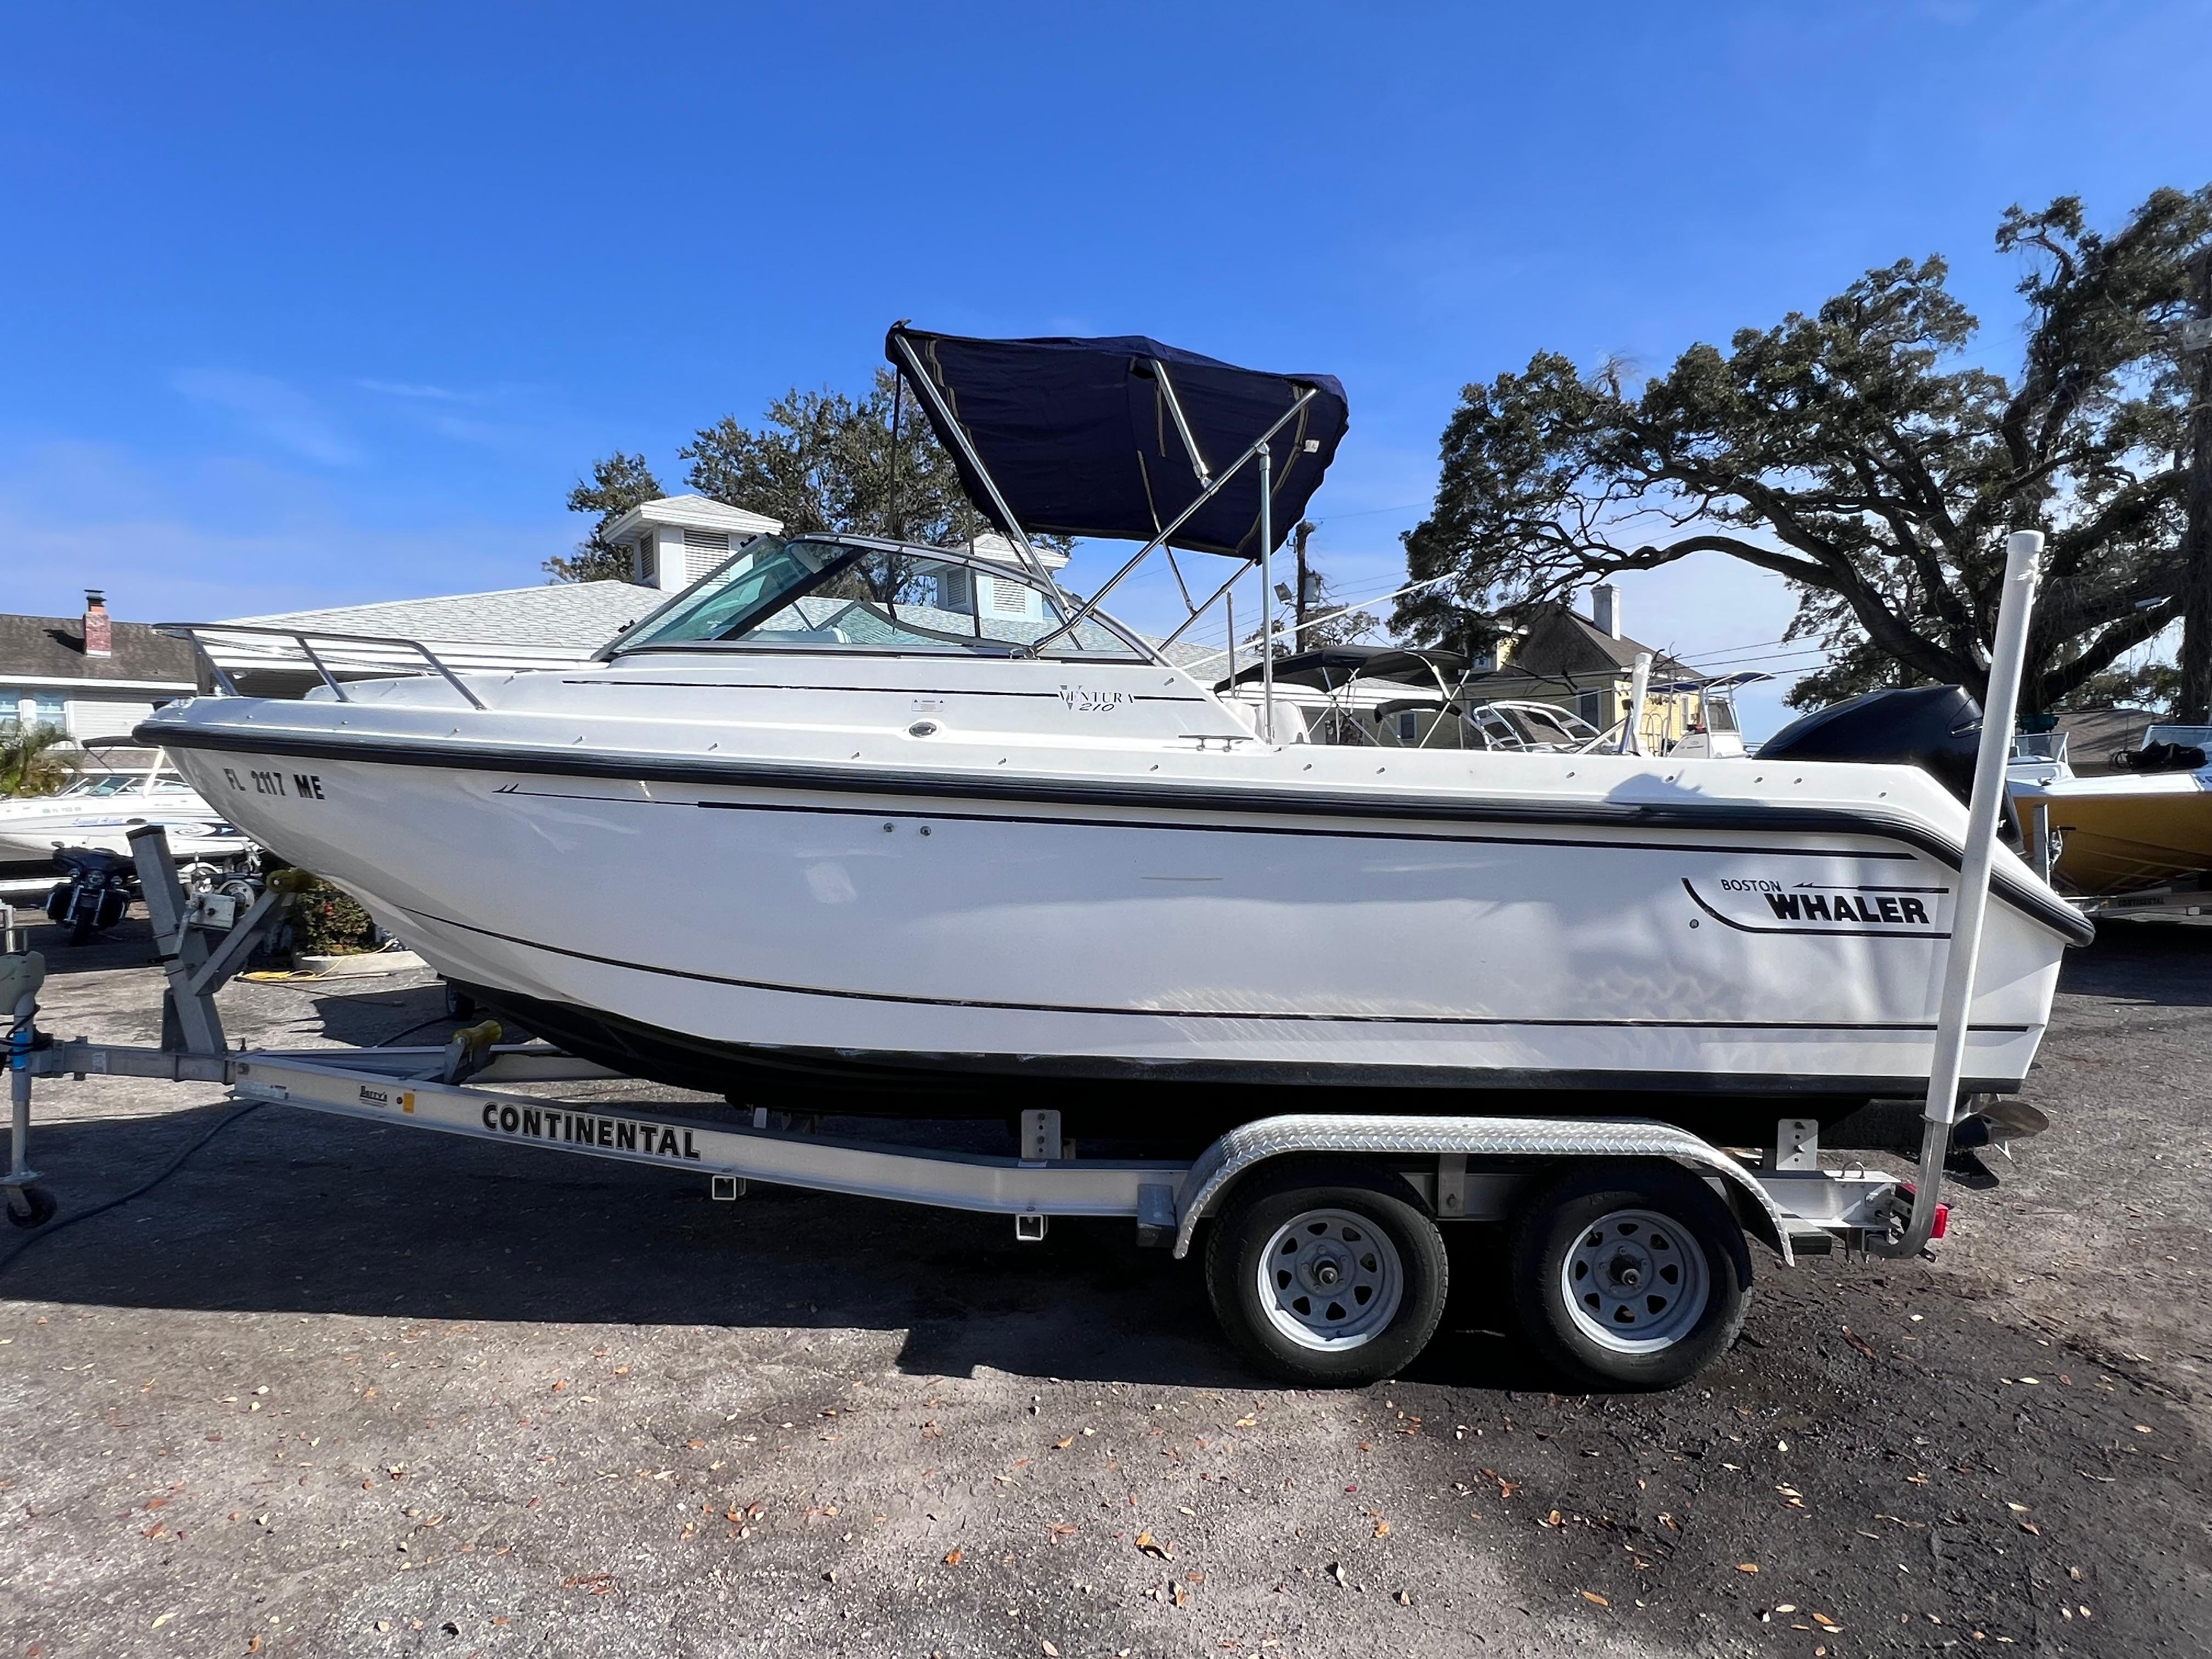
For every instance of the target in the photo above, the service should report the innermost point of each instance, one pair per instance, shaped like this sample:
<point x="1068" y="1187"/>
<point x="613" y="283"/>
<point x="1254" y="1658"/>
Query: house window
<point x="1591" y="705"/>
<point x="1409" y="725"/>
<point x="34" y="708"/>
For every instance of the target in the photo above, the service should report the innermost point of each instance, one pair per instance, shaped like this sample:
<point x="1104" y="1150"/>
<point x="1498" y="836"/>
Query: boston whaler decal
<point x="1762" y="905"/>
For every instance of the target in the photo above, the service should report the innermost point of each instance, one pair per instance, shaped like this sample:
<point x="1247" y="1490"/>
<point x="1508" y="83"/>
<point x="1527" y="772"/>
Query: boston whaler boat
<point x="938" y="855"/>
<point x="932" y="856"/>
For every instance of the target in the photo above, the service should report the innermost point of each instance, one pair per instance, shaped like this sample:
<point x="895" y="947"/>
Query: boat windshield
<point x="808" y="594"/>
<point x="102" y="784"/>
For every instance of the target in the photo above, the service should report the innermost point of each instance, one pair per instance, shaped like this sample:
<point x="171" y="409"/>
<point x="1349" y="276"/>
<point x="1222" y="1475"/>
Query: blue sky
<point x="309" y="306"/>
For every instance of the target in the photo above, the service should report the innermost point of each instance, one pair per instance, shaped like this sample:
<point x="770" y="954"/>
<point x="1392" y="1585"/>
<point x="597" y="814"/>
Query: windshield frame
<point x="634" y="640"/>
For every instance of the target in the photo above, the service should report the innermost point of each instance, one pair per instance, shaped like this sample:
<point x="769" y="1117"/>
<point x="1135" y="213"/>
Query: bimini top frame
<point x="1112" y="438"/>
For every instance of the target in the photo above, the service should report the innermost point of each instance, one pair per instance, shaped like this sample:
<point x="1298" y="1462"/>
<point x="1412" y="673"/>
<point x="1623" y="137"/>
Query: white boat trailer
<point x="1324" y="1252"/>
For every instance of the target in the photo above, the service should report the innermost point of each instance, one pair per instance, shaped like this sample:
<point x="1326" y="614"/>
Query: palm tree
<point x="30" y="763"/>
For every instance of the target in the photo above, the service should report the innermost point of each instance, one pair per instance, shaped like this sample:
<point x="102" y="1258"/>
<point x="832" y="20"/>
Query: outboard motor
<point x="1937" y="728"/>
<point x="96" y="892"/>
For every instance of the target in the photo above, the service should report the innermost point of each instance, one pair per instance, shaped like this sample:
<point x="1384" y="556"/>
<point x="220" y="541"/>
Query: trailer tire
<point x="38" y="1206"/>
<point x="1329" y="1277"/>
<point x="1630" y="1276"/>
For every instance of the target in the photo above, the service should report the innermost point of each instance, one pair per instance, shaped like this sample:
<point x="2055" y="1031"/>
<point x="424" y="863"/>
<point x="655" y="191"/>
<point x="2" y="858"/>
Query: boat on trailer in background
<point x="124" y="785"/>
<point x="1391" y="697"/>
<point x="2146" y="827"/>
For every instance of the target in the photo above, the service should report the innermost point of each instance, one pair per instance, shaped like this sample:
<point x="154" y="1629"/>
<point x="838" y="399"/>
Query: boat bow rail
<point x="380" y="654"/>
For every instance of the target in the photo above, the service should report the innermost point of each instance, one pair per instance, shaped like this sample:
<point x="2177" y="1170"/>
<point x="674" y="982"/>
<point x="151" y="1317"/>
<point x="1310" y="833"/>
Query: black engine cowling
<point x="1935" y="727"/>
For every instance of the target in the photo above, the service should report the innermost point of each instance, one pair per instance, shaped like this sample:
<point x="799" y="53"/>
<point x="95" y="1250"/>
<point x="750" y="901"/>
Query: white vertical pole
<point x="1947" y="1066"/>
<point x="1640" y="687"/>
<point x="1232" y="644"/>
<point x="1267" y="596"/>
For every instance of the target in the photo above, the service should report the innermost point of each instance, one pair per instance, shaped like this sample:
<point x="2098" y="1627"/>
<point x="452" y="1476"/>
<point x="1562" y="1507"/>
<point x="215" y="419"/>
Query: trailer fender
<point x="1253" y="1144"/>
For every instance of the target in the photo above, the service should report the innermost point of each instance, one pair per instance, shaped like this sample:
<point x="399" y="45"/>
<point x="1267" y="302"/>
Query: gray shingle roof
<point x="580" y="616"/>
<point x="1564" y="642"/>
<point x="52" y="648"/>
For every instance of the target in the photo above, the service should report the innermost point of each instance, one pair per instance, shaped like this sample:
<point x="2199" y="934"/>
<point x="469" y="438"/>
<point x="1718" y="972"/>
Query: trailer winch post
<point x="2023" y="548"/>
<point x="196" y="969"/>
<point x="192" y="1018"/>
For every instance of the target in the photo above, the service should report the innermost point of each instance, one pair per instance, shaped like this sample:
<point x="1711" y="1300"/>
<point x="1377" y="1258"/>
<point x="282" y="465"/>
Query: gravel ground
<point x="334" y="1388"/>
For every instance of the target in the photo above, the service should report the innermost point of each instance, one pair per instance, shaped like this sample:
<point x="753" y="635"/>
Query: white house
<point x="90" y="676"/>
<point x="676" y="540"/>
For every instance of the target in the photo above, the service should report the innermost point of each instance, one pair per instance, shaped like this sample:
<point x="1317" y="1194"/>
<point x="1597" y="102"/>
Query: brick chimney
<point x="1605" y="608"/>
<point x="98" y="635"/>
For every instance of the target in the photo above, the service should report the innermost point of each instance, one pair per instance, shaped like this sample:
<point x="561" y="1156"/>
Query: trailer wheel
<point x="1630" y="1276"/>
<point x="1326" y="1276"/>
<point x="38" y="1206"/>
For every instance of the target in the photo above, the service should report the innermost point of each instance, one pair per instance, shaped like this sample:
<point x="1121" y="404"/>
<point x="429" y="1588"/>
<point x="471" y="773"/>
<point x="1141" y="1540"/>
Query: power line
<point x="1369" y="512"/>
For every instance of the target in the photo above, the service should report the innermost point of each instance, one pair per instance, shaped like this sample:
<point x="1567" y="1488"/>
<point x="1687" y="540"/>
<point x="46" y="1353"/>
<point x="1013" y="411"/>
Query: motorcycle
<point x="96" y="889"/>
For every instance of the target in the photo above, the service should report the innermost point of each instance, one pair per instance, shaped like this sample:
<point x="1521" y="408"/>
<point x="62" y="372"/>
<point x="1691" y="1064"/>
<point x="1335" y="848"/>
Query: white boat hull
<point x="1278" y="917"/>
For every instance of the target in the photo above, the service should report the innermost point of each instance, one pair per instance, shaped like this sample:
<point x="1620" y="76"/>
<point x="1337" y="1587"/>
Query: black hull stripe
<point x="1455" y="1020"/>
<point x="1447" y="838"/>
<point x="1694" y="815"/>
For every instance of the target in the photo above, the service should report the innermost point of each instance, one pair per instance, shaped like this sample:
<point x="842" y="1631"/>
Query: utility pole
<point x="1298" y="624"/>
<point x="2197" y="535"/>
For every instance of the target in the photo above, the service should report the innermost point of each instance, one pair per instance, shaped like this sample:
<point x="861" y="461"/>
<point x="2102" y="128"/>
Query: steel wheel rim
<point x="1636" y="1281"/>
<point x="1330" y="1280"/>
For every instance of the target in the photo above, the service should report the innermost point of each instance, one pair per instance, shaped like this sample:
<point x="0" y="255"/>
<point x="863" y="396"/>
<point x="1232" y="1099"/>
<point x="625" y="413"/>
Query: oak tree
<point x="1858" y="453"/>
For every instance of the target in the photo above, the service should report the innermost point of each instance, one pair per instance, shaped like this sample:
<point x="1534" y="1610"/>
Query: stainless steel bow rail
<point x="1375" y="1189"/>
<point x="204" y="637"/>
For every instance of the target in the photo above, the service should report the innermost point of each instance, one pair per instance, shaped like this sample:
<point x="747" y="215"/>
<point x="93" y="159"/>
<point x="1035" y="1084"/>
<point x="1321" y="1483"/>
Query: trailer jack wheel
<point x="1326" y="1276"/>
<point x="30" y="1206"/>
<point x="1630" y="1276"/>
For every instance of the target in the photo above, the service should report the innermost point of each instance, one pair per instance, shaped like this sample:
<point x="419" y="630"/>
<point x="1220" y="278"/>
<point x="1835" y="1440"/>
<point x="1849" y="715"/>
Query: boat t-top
<point x="938" y="834"/>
